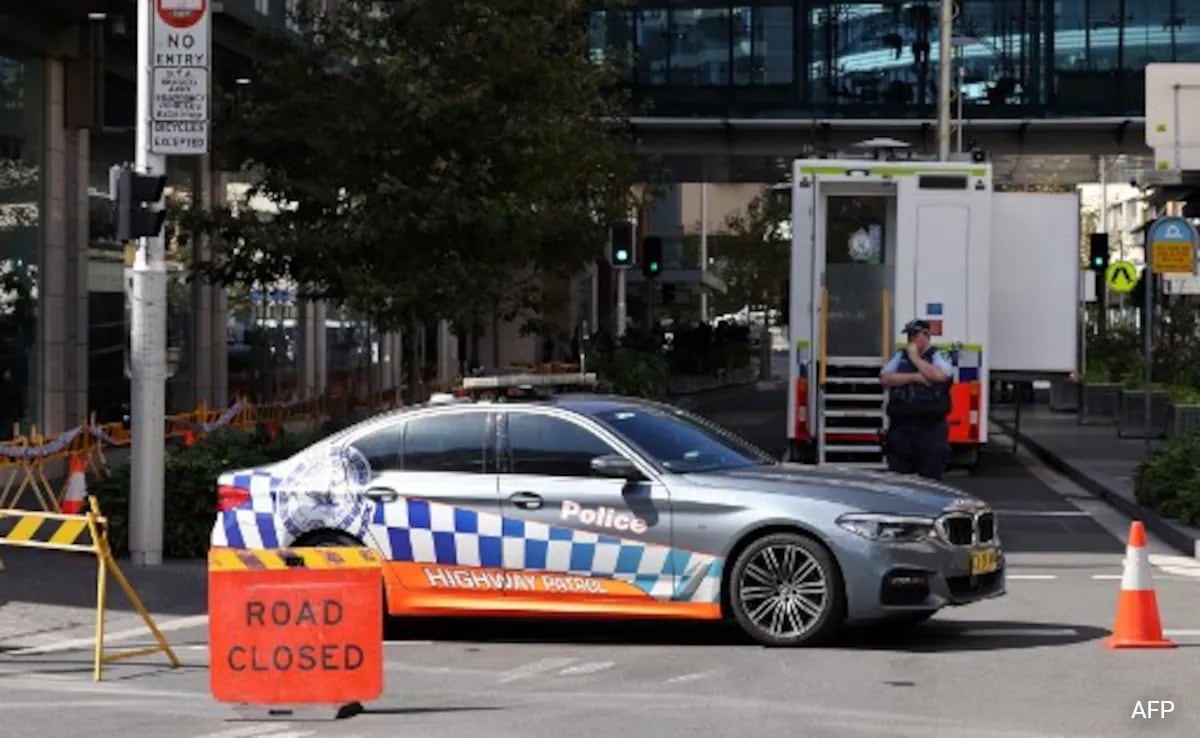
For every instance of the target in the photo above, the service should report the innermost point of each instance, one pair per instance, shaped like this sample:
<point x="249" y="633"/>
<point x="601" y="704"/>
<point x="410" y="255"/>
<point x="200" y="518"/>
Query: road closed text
<point x="285" y="657"/>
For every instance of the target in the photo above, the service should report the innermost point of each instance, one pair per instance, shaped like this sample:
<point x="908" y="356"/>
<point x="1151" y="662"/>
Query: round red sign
<point x="181" y="13"/>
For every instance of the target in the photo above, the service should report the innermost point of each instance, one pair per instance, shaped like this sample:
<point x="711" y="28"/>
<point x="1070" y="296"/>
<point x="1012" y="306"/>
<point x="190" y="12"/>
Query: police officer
<point x="918" y="380"/>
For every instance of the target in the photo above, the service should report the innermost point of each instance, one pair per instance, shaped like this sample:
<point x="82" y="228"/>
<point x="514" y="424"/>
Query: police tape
<point x="87" y="534"/>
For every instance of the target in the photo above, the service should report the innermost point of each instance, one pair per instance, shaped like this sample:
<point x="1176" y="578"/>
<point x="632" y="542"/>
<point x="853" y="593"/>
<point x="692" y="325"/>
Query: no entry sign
<point x="181" y="62"/>
<point x="181" y="13"/>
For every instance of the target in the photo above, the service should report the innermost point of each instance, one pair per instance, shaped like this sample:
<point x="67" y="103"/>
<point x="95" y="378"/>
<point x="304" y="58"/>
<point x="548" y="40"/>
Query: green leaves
<point x="424" y="157"/>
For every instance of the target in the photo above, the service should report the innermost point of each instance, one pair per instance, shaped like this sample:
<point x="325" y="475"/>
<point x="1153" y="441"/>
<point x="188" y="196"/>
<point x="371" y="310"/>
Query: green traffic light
<point x="622" y="255"/>
<point x="654" y="266"/>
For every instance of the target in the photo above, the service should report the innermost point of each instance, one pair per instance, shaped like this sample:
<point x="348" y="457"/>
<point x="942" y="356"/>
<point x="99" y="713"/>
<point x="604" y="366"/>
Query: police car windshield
<point x="681" y="442"/>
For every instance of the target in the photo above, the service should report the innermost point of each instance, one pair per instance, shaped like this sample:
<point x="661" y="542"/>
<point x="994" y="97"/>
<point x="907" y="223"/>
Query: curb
<point x="1169" y="532"/>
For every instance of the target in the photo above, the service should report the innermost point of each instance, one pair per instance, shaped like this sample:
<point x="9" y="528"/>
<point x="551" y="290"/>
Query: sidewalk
<point x="47" y="597"/>
<point x="1095" y="458"/>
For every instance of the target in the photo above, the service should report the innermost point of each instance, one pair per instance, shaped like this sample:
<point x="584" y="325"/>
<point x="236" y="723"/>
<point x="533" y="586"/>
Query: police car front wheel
<point x="787" y="591"/>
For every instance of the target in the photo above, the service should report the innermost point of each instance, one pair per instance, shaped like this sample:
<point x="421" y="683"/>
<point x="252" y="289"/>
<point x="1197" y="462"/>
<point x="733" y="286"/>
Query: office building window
<point x="22" y="121"/>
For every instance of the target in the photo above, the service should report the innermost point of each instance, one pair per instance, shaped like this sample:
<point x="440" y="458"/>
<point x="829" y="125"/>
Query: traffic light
<point x="620" y="245"/>
<point x="652" y="255"/>
<point x="1099" y="257"/>
<point x="137" y="211"/>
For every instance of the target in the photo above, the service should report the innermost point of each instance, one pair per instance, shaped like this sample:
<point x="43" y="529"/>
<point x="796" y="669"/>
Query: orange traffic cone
<point x="1137" y="624"/>
<point x="76" y="487"/>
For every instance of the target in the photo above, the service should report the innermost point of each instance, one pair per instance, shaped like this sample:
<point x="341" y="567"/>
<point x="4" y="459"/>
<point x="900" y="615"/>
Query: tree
<point x="427" y="159"/>
<point x="755" y="254"/>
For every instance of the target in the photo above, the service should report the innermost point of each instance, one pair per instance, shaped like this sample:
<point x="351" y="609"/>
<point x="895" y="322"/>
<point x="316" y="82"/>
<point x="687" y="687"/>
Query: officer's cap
<point x="914" y="327"/>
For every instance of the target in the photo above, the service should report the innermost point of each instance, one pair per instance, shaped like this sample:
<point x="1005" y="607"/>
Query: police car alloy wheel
<point x="787" y="591"/>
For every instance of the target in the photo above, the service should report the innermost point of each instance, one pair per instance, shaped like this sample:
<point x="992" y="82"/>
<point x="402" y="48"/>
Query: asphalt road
<point x="1028" y="665"/>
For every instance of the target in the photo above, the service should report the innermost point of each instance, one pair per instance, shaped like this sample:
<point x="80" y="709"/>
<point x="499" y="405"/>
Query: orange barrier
<point x="295" y="627"/>
<point x="1137" y="623"/>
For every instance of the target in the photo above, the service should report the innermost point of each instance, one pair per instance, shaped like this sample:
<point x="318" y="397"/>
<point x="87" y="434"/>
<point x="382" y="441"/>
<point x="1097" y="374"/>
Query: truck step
<point x="849" y="449"/>
<point x="864" y="397"/>
<point x="854" y="413"/>
<point x="851" y="380"/>
<point x="880" y="465"/>
<point x="848" y="430"/>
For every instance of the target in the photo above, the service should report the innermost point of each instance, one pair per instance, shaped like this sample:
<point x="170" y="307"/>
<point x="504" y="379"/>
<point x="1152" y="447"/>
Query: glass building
<point x="818" y="58"/>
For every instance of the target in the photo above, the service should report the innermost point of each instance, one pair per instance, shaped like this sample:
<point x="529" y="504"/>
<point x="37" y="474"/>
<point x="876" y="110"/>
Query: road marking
<point x="590" y="668"/>
<point x="1107" y="576"/>
<point x="1032" y="576"/>
<point x="71" y="644"/>
<point x="258" y="729"/>
<point x="537" y="667"/>
<point x="1185" y="633"/>
<point x="695" y="676"/>
<point x="408" y="643"/>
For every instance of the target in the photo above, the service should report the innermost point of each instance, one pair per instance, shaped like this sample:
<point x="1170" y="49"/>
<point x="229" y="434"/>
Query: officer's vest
<point x="930" y="401"/>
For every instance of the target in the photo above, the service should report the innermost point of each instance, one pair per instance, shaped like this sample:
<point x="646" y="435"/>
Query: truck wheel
<point x="786" y="591"/>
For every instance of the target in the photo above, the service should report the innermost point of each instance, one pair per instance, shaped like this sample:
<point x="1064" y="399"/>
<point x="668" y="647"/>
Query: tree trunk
<point x="764" y="354"/>
<point x="496" y="337"/>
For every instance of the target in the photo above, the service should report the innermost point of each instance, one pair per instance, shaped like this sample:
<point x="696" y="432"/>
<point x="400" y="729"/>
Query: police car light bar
<point x="528" y="380"/>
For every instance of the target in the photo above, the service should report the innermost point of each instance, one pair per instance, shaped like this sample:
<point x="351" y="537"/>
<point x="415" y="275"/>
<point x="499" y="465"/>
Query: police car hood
<point x="874" y="491"/>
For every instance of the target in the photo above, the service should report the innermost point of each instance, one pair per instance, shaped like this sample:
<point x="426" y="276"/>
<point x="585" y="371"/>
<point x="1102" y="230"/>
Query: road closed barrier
<point x="84" y="533"/>
<point x="295" y="628"/>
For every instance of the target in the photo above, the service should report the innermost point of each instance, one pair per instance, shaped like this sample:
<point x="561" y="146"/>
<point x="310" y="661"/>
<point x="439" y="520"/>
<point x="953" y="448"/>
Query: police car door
<point x="438" y="521"/>
<point x="572" y="535"/>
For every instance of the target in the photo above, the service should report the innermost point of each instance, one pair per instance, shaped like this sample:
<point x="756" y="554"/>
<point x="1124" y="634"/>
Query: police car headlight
<point x="888" y="528"/>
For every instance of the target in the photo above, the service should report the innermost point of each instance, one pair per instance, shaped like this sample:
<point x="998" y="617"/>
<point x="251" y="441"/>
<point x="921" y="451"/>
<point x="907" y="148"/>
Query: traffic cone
<point x="1137" y="624"/>
<point x="76" y="487"/>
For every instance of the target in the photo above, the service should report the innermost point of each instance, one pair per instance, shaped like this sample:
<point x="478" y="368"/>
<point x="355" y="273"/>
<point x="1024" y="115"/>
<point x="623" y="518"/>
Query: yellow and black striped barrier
<point x="85" y="533"/>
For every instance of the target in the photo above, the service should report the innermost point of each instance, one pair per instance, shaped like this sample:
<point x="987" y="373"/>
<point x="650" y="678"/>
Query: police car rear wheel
<point x="333" y="539"/>
<point x="787" y="591"/>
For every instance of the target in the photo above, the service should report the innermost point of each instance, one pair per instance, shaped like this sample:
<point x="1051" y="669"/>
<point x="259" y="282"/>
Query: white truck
<point x="878" y="242"/>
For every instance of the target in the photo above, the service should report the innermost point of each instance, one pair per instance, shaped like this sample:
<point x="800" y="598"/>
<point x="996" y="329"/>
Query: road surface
<point x="1030" y="665"/>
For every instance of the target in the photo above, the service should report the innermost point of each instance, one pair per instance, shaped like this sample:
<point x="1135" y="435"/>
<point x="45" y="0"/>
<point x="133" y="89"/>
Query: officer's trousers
<point x="918" y="449"/>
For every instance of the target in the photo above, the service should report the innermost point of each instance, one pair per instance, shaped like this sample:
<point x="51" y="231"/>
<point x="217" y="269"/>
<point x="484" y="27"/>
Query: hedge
<point x="1168" y="482"/>
<point x="191" y="484"/>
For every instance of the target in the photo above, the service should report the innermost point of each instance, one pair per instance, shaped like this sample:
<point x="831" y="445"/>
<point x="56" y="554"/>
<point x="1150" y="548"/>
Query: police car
<point x="582" y="504"/>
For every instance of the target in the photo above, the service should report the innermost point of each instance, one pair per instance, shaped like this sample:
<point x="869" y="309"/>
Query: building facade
<point x="67" y="114"/>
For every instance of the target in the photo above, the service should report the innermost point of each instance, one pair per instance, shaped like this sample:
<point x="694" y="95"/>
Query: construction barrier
<point x="295" y="629"/>
<point x="86" y="534"/>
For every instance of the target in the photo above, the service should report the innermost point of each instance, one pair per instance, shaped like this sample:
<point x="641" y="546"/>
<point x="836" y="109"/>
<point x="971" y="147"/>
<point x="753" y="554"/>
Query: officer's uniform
<point x="916" y="440"/>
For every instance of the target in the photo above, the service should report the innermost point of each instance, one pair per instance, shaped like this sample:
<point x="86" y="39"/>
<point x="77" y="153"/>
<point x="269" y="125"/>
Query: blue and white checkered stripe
<point x="428" y="532"/>
<point x="422" y="531"/>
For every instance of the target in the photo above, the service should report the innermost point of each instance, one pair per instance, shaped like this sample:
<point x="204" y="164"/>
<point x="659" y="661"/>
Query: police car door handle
<point x="526" y="500"/>
<point x="382" y="494"/>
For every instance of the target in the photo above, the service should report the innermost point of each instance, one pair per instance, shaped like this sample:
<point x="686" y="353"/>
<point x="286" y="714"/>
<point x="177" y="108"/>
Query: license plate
<point x="983" y="562"/>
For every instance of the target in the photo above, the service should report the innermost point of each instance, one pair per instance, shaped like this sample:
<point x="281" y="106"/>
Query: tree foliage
<point x="755" y="252"/>
<point x="425" y="158"/>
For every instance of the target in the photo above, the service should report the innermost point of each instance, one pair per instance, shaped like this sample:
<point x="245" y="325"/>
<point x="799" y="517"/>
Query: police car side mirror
<point x="616" y="466"/>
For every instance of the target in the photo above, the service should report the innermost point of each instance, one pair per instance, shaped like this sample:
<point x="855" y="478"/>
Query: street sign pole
<point x="1148" y="349"/>
<point x="148" y="334"/>
<point x="173" y="62"/>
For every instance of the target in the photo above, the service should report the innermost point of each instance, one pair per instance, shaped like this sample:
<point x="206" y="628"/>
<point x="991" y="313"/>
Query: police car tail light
<point x="229" y="498"/>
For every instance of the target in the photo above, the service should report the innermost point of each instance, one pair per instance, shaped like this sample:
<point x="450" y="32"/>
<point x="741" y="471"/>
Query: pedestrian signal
<point x="1121" y="276"/>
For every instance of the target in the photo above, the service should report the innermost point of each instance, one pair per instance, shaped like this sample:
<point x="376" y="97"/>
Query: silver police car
<point x="601" y="506"/>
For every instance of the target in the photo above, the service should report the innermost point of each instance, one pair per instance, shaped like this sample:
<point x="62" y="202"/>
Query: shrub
<point x="191" y="485"/>
<point x="1169" y="481"/>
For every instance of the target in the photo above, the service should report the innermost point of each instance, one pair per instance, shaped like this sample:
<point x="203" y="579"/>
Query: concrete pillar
<point x="78" y="409"/>
<point x="54" y="271"/>
<point x="320" y="348"/>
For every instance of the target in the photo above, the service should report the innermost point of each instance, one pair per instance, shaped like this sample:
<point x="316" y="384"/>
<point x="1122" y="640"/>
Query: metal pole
<point x="945" y="53"/>
<point x="621" y="302"/>
<point x="148" y="338"/>
<point x="703" y="251"/>
<point x="1147" y="344"/>
<point x="962" y="78"/>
